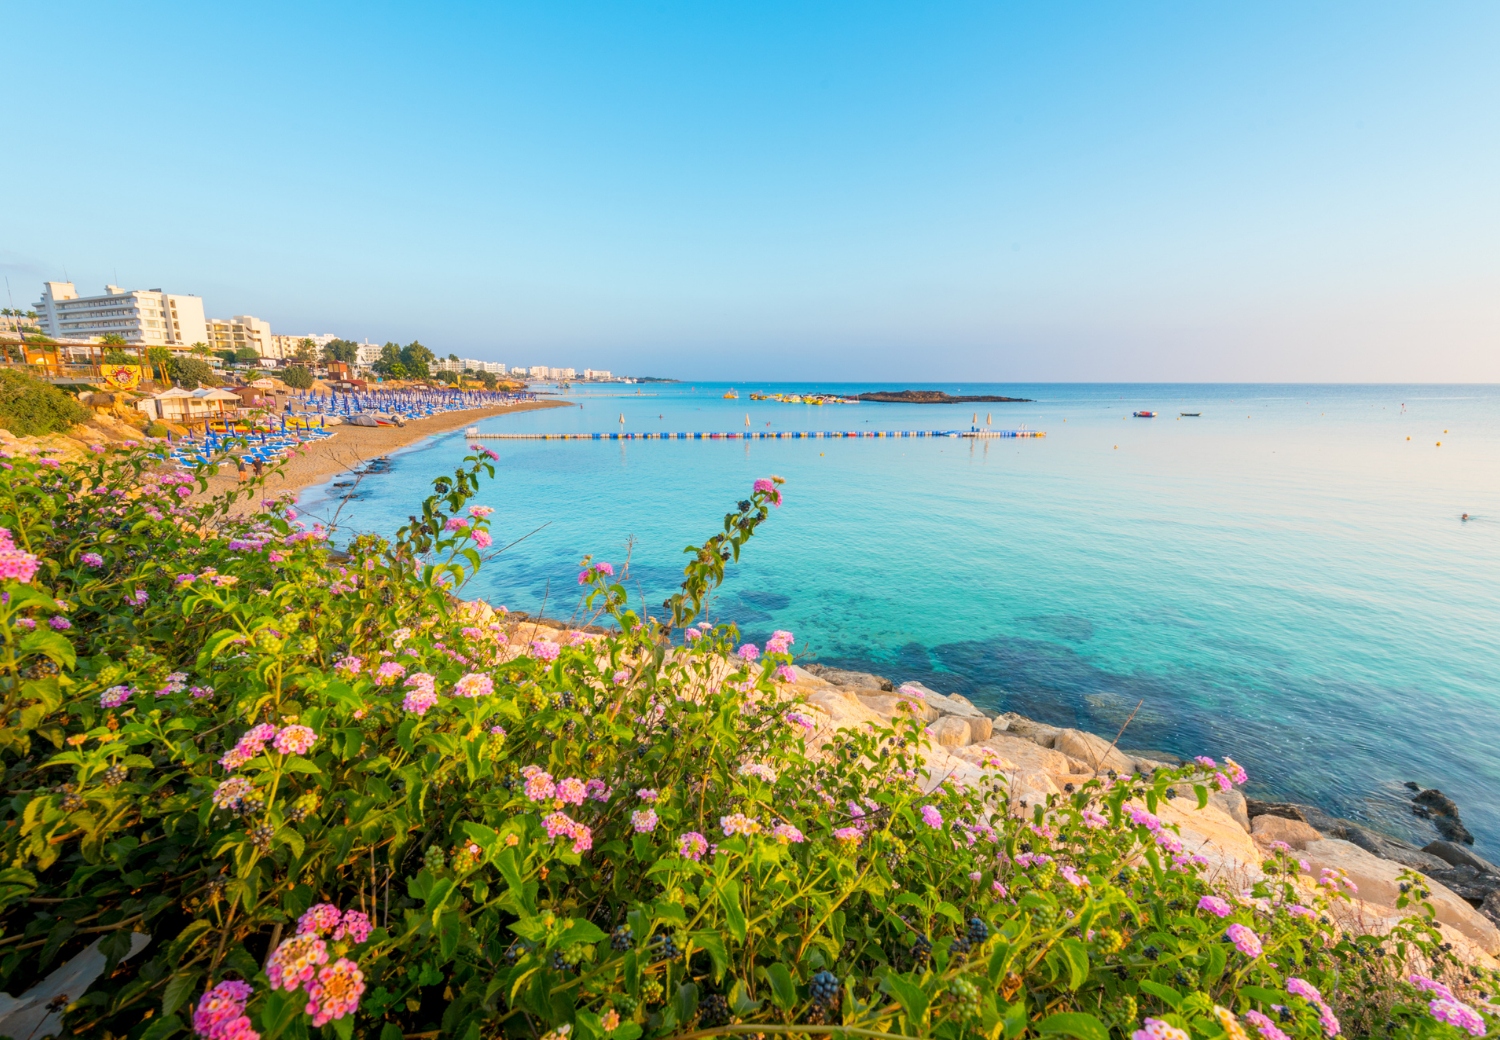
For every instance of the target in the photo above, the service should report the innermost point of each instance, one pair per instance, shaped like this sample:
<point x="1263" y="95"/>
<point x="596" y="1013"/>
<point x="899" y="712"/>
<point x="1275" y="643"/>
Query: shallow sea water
<point x="1285" y="579"/>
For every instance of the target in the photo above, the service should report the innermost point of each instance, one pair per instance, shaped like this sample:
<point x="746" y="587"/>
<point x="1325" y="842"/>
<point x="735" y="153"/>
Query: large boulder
<point x="1294" y="833"/>
<point x="1212" y="833"/>
<point x="1012" y="753"/>
<point x="1458" y="856"/>
<point x="1379" y="881"/>
<point x="1233" y="803"/>
<point x="887" y="704"/>
<point x="1095" y="752"/>
<point x="980" y="729"/>
<point x="858" y="680"/>
<point x="1036" y="732"/>
<point x="950" y="732"/>
<point x="946" y="704"/>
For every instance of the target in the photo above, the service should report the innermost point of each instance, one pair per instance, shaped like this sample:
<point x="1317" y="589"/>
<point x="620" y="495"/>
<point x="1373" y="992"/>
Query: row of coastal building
<point x="155" y="318"/>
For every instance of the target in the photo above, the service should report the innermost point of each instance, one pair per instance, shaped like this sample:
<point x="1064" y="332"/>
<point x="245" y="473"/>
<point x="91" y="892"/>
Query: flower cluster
<point x="597" y="570"/>
<point x="561" y="825"/>
<point x="15" y="564"/>
<point x="221" y="1013"/>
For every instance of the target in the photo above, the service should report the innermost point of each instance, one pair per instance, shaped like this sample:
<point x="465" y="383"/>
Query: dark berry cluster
<point x="622" y="938"/>
<point x="825" y="988"/>
<point x="664" y="948"/>
<point x="978" y="931"/>
<point x="713" y="1011"/>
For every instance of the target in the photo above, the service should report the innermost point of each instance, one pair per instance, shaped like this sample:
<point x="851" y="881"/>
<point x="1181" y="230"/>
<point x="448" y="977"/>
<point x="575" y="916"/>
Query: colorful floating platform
<point x="749" y="435"/>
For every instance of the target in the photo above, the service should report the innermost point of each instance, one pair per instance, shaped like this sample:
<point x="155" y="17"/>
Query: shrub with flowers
<point x="340" y="798"/>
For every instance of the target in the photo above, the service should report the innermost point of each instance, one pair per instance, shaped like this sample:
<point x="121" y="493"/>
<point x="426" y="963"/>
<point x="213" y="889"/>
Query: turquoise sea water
<point x="1285" y="579"/>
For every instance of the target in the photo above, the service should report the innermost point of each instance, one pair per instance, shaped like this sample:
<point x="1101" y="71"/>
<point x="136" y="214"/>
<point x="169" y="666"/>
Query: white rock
<point x="1095" y="752"/>
<point x="950" y="731"/>
<point x="887" y="704"/>
<point x="1379" y="882"/>
<point x="1295" y="833"/>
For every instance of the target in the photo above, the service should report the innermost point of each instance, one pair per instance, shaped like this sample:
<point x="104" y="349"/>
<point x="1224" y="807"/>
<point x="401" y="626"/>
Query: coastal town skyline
<point x="882" y="193"/>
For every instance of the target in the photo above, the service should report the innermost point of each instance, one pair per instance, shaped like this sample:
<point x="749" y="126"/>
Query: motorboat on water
<point x="1145" y="415"/>
<point x="1189" y="415"/>
<point x="733" y="395"/>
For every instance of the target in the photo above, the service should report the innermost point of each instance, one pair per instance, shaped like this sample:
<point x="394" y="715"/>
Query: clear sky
<point x="899" y="191"/>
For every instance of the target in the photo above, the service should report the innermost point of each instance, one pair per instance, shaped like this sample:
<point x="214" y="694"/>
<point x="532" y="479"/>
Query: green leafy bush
<point x="338" y="797"/>
<point x="191" y="373"/>
<point x="30" y="407"/>
<point x="297" y="377"/>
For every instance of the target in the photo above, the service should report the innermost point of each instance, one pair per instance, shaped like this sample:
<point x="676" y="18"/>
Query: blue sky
<point x="1277" y="191"/>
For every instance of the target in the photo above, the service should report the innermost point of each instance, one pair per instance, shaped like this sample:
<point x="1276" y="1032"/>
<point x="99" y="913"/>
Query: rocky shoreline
<point x="1233" y="833"/>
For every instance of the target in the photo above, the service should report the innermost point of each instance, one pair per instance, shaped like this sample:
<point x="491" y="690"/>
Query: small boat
<point x="1192" y="415"/>
<point x="1145" y="415"/>
<point x="732" y="395"/>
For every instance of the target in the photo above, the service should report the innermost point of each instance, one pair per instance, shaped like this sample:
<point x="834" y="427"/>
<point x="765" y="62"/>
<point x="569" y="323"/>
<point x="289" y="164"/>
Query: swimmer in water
<point x="1464" y="518"/>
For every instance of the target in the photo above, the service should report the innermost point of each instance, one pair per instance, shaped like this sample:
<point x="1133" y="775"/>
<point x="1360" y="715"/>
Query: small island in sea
<point x="934" y="397"/>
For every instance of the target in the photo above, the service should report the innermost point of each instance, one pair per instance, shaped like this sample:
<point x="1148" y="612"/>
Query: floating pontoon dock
<point x="749" y="435"/>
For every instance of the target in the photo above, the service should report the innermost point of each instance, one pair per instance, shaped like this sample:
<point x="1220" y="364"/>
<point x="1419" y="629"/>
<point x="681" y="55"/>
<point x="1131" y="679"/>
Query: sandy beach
<point x="353" y="445"/>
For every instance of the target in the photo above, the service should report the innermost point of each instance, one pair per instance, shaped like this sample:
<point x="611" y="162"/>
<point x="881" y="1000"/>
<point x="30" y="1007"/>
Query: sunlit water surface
<point x="1285" y="578"/>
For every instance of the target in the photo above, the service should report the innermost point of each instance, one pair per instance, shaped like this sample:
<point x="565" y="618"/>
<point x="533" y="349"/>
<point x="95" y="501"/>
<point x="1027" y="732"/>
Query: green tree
<point x="298" y="378"/>
<point x="200" y="349"/>
<point x="160" y="358"/>
<point x="190" y="373"/>
<point x="306" y="353"/>
<point x="488" y="379"/>
<point x="346" y="351"/>
<point x="417" y="359"/>
<point x="30" y="407"/>
<point x="114" y="339"/>
<point x="390" y="355"/>
<point x="226" y="356"/>
<point x="448" y="377"/>
<point x="247" y="355"/>
<point x="452" y="357"/>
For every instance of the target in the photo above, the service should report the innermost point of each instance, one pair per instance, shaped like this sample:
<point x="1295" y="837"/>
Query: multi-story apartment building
<point x="144" y="317"/>
<point x="597" y="373"/>
<point x="239" y="332"/>
<point x="284" y="347"/>
<point x="467" y="365"/>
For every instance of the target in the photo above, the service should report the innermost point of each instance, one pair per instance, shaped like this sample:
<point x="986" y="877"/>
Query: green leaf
<point x="297" y="764"/>
<point x="711" y="943"/>
<point x="442" y="888"/>
<point x="740" y="1002"/>
<point x="343" y="1028"/>
<point x="909" y="995"/>
<point x="1077" y="955"/>
<point x="450" y="929"/>
<point x="1074" y="1023"/>
<point x="734" y="917"/>
<point x="1015" y="1019"/>
<point x="687" y="1001"/>
<point x="179" y="988"/>
<point x="1202" y="793"/>
<point x="579" y="932"/>
<point x="1265" y="996"/>
<point x="783" y="989"/>
<point x="162" y="1028"/>
<point x="1166" y="994"/>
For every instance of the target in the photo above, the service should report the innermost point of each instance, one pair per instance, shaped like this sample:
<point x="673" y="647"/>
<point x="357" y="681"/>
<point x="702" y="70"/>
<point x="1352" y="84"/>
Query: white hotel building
<point x="143" y="317"/>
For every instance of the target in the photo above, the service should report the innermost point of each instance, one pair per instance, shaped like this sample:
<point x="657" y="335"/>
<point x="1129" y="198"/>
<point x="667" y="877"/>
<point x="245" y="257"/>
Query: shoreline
<point x="353" y="446"/>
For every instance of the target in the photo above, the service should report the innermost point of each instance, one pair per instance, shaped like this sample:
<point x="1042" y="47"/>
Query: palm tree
<point x="160" y="357"/>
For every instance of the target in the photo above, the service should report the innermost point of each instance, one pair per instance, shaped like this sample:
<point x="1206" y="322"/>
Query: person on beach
<point x="258" y="464"/>
<point x="239" y="465"/>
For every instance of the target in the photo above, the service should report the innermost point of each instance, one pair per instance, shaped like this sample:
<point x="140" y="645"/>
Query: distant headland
<point x="933" y="397"/>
